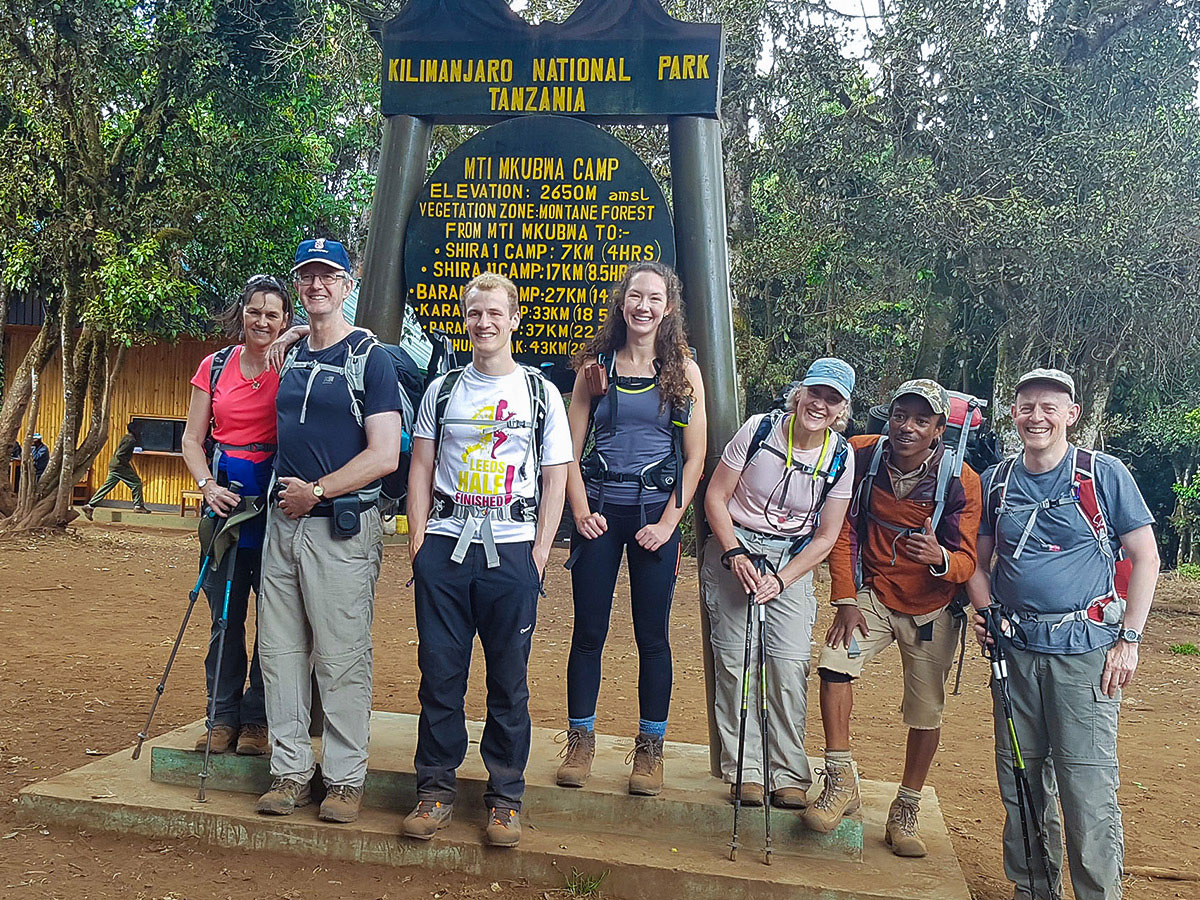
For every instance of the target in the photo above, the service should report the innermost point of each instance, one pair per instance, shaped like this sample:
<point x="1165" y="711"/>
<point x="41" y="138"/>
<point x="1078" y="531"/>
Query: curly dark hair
<point x="230" y="318"/>
<point x="670" y="343"/>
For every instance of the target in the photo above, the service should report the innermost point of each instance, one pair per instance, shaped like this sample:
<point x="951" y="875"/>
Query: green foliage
<point x="581" y="884"/>
<point x="1188" y="649"/>
<point x="1190" y="571"/>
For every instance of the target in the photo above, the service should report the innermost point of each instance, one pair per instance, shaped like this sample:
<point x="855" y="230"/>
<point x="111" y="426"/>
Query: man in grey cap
<point x="907" y="546"/>
<point x="1057" y="517"/>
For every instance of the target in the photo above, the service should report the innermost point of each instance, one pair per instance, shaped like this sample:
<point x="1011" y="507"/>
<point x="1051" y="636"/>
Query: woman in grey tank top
<point x="638" y="426"/>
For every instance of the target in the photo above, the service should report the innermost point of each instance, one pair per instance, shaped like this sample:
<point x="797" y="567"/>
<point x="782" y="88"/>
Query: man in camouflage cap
<point x="905" y="549"/>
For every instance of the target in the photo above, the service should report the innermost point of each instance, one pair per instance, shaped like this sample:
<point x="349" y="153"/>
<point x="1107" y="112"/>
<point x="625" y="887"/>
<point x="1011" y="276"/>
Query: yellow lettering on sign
<point x="688" y="67"/>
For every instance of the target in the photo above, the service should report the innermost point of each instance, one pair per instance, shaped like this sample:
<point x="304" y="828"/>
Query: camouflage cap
<point x="929" y="391"/>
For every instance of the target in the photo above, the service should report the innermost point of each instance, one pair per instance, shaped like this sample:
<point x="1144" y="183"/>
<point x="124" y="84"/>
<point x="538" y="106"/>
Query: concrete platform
<point x="673" y="845"/>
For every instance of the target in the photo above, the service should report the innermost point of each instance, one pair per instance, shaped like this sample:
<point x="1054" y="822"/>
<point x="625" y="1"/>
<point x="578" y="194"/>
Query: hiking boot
<point x="88" y="510"/>
<point x="424" y="821"/>
<point x="839" y="797"/>
<point x="252" y="741"/>
<point x="504" y="827"/>
<point x="223" y="738"/>
<point x="342" y="803"/>
<point x="752" y="793"/>
<point x="646" y="780"/>
<point x="285" y="796"/>
<point x="141" y="509"/>
<point x="577" y="755"/>
<point x="900" y="832"/>
<point x="789" y="798"/>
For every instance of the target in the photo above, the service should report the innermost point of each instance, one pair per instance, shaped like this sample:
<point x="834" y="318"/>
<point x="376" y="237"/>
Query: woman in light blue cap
<point x="780" y="491"/>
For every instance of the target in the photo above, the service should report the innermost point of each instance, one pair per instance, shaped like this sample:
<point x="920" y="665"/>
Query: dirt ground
<point x="88" y="618"/>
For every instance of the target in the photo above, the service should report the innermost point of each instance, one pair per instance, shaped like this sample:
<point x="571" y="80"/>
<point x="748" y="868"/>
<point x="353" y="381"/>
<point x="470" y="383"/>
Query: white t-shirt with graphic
<point x="491" y="463"/>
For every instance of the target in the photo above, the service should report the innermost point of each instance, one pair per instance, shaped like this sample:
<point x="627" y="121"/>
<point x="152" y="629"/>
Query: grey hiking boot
<point x="839" y="797"/>
<point x="901" y="832"/>
<point x="285" y="796"/>
<point x="342" y="803"/>
<point x="424" y="821"/>
<point x="504" y="827"/>
<point x="578" y="753"/>
<point x="647" y="758"/>
<point x="223" y="737"/>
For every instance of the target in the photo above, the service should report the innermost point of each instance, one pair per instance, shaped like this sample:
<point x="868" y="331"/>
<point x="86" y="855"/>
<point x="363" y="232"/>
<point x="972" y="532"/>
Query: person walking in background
<point x="1070" y="617"/>
<point x="639" y="397"/>
<point x="233" y="405"/>
<point x="895" y="569"/>
<point x="40" y="454"/>
<point x="780" y="492"/>
<point x="121" y="470"/>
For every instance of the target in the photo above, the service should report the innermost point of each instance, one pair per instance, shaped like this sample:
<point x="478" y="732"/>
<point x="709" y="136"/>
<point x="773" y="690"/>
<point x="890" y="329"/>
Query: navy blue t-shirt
<point x="330" y="436"/>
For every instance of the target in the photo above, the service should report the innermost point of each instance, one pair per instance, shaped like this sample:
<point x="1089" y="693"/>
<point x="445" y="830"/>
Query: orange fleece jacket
<point x="906" y="586"/>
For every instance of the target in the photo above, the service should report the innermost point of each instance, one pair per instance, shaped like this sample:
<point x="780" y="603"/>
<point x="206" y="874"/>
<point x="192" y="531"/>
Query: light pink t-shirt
<point x="769" y="499"/>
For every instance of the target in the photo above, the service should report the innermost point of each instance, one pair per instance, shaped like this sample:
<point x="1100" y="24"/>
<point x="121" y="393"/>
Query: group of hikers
<point x="1035" y="546"/>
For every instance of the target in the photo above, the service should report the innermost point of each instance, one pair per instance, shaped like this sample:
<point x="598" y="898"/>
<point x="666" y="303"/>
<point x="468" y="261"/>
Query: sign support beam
<point x="698" y="182"/>
<point x="402" y="163"/>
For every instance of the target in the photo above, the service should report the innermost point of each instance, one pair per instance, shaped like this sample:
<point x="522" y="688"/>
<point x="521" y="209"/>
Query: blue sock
<point x="657" y="729"/>
<point x="587" y="724"/>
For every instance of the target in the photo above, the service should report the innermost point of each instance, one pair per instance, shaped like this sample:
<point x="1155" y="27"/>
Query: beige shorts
<point x="926" y="663"/>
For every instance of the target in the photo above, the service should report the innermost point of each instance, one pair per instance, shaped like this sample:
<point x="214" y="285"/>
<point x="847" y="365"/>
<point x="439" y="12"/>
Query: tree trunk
<point x="935" y="332"/>
<point x="16" y="401"/>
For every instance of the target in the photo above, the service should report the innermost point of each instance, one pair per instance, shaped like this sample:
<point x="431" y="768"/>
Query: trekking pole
<point x="222" y="625"/>
<point x="741" y="755"/>
<point x="995" y="653"/>
<point x="762" y="716"/>
<point x="162" y="684"/>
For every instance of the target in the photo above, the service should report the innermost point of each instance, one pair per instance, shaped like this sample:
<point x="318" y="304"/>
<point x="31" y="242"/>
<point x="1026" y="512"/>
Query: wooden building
<point x="153" y="384"/>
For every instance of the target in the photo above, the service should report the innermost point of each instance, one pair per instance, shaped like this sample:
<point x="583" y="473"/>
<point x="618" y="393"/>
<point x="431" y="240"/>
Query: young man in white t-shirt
<point x="485" y="493"/>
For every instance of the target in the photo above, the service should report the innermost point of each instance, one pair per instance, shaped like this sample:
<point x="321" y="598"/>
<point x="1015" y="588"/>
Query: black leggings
<point x="651" y="586"/>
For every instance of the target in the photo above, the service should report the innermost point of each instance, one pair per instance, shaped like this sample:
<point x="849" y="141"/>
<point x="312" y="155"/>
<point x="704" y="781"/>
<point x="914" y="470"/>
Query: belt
<point x="772" y="538"/>
<point x="325" y="510"/>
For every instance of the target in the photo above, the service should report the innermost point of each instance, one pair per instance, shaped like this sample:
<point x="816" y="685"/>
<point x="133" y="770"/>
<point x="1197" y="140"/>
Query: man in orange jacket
<point x="902" y="556"/>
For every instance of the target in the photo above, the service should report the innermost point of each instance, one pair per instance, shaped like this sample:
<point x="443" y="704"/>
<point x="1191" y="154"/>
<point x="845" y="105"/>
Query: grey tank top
<point x="642" y="437"/>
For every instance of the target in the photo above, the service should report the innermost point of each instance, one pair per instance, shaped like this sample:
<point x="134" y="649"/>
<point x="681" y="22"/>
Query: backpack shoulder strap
<point x="356" y="363"/>
<point x="997" y="491"/>
<point x="441" y="401"/>
<point x="536" y="383"/>
<point x="761" y="432"/>
<point x="219" y="361"/>
<point x="1084" y="481"/>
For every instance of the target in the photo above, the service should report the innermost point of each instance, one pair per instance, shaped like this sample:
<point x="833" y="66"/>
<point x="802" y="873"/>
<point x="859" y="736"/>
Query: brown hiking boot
<point x="88" y="511"/>
<point x="252" y="740"/>
<point x="752" y="793"/>
<point x="901" y="832"/>
<point x="285" y="796"/>
<point x="424" y="821"/>
<point x="223" y="738"/>
<point x="647" y="758"/>
<point x="839" y="797"/>
<point x="342" y="803"/>
<point x="789" y="798"/>
<point x="577" y="753"/>
<point x="504" y="827"/>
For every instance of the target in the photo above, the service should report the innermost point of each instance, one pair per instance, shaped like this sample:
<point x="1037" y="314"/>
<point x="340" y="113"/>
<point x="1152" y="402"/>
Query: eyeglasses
<point x="326" y="278"/>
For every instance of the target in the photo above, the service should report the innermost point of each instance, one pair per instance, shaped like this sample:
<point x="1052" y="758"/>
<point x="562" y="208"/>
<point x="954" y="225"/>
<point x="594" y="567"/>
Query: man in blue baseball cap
<point x="339" y="434"/>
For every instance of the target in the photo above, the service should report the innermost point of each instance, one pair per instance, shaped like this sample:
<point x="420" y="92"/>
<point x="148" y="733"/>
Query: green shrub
<point x="1190" y="571"/>
<point x="1188" y="649"/>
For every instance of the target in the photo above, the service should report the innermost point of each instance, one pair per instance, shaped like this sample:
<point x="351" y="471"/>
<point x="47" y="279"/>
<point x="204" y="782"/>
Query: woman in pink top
<point x="233" y="394"/>
<point x="781" y="490"/>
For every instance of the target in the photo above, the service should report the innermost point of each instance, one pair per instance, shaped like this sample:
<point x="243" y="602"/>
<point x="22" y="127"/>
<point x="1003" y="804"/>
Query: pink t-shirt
<point x="242" y="413"/>
<point x="769" y="499"/>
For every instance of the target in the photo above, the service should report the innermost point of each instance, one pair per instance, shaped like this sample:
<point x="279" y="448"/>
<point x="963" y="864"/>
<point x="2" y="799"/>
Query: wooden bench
<point x="190" y="500"/>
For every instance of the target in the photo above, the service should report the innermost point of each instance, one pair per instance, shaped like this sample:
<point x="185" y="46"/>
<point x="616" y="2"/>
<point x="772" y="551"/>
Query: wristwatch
<point x="318" y="490"/>
<point x="1129" y="636"/>
<point x="202" y="482"/>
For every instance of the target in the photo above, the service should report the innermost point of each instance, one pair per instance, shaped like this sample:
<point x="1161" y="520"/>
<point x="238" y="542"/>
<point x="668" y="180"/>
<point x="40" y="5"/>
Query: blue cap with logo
<point x="322" y="250"/>
<point x="832" y="372"/>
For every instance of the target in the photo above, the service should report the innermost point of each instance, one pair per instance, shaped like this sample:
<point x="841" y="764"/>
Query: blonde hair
<point x="490" y="281"/>
<point x="840" y="424"/>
